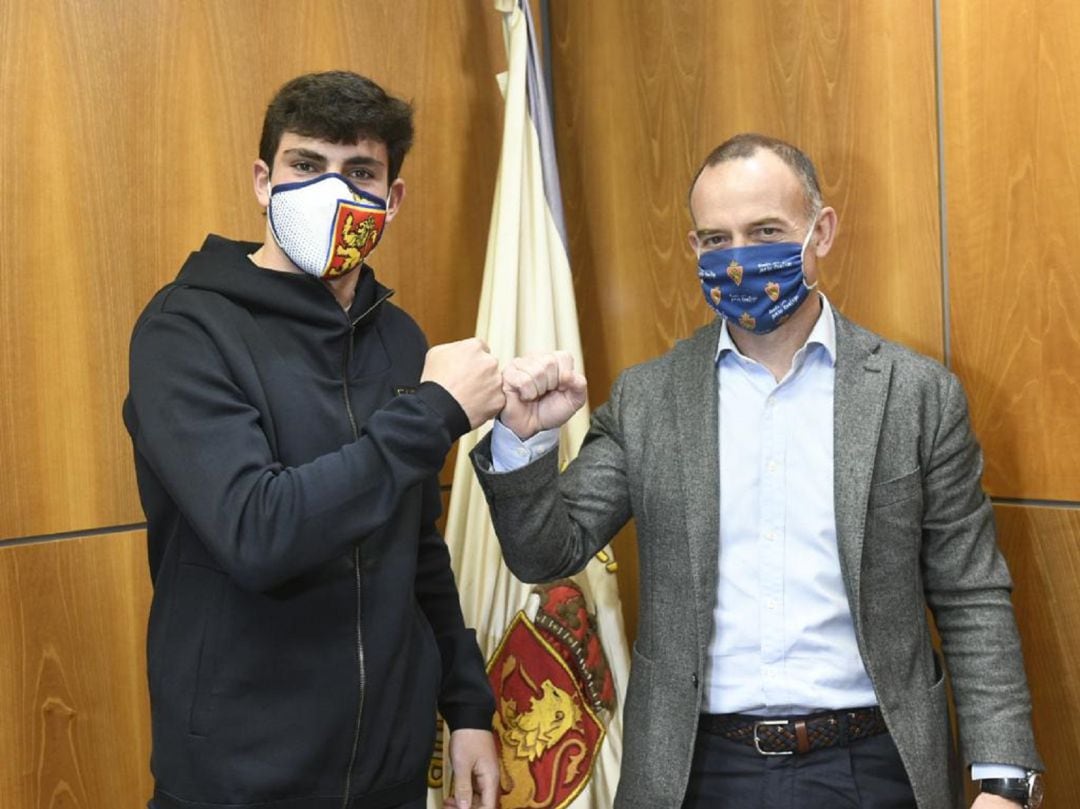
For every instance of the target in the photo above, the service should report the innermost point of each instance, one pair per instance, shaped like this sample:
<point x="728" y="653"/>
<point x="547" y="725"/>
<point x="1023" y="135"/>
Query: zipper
<point x="356" y="322"/>
<point x="346" y="362"/>
<point x="361" y="672"/>
<point x="363" y="683"/>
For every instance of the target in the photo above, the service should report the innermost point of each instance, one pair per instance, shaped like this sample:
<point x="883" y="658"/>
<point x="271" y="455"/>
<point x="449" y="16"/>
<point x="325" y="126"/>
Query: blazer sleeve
<point x="550" y="524"/>
<point x="967" y="587"/>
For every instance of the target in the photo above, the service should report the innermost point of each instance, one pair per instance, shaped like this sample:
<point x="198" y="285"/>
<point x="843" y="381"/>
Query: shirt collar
<point x="823" y="334"/>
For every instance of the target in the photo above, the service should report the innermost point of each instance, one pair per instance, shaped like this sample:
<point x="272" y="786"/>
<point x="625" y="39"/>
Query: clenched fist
<point x="542" y="391"/>
<point x="470" y="374"/>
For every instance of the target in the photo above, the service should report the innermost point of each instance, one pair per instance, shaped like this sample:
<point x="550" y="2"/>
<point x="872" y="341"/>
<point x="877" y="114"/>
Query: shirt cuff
<point x="982" y="770"/>
<point x="508" y="452"/>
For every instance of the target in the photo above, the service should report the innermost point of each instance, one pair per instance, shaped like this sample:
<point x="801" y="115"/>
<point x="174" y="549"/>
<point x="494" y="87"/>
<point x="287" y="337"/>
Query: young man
<point x="803" y="490"/>
<point x="289" y="425"/>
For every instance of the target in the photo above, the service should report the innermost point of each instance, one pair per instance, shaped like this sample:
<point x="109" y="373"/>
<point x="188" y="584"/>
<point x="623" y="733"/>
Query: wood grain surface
<point x="1011" y="81"/>
<point x="643" y="91"/>
<point x="128" y="129"/>
<point x="75" y="716"/>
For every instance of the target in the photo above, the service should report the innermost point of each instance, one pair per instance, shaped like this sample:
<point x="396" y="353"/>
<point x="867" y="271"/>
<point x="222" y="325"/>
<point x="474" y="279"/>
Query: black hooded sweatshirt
<point x="305" y="620"/>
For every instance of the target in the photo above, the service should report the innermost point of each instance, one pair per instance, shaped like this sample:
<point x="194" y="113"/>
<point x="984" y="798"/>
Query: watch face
<point x="1035" y="791"/>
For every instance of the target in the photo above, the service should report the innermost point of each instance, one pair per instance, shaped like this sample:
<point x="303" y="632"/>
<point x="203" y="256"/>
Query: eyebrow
<point x="757" y="223"/>
<point x="363" y="160"/>
<point x="769" y="220"/>
<point x="308" y="154"/>
<point x="305" y="153"/>
<point x="706" y="232"/>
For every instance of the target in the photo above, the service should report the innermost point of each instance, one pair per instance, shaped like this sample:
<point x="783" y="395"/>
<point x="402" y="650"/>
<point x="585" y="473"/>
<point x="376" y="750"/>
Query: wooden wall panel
<point x="1011" y="83"/>
<point x="643" y="91"/>
<point x="127" y="132"/>
<point x="1042" y="546"/>
<point x="76" y="722"/>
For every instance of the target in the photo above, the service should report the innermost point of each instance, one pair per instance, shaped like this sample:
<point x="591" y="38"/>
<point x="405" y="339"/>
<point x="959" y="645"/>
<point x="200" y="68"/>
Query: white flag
<point x="569" y="642"/>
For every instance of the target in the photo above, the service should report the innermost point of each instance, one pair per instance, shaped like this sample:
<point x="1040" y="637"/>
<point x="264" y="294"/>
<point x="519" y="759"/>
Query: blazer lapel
<point x="698" y="458"/>
<point x="862" y="383"/>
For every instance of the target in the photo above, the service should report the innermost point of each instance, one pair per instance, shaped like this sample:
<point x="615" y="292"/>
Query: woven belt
<point x="797" y="734"/>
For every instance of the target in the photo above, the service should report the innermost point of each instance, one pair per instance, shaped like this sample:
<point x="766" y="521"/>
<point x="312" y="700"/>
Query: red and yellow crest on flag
<point x="357" y="227"/>
<point x="545" y="728"/>
<point x="565" y="622"/>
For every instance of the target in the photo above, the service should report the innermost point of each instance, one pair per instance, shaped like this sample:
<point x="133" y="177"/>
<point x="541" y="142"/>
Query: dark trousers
<point x="866" y="774"/>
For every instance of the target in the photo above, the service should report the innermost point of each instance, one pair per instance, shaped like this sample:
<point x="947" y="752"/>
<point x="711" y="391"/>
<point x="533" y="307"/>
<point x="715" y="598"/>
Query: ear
<point x="692" y="240"/>
<point x="261" y="180"/>
<point x="395" y="195"/>
<point x="824" y="232"/>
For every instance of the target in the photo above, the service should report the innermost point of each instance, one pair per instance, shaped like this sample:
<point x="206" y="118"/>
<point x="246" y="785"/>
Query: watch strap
<point x="1014" y="789"/>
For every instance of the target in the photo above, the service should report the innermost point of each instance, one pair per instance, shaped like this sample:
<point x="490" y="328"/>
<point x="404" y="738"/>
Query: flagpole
<point x="527" y="632"/>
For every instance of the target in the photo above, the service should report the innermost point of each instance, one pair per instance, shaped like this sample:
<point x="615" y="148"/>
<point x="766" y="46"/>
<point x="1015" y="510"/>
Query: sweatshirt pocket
<point x="209" y="587"/>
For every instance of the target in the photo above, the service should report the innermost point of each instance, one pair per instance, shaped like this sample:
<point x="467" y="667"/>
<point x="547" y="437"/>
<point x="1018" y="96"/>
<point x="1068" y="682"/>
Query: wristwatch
<point x="1026" y="791"/>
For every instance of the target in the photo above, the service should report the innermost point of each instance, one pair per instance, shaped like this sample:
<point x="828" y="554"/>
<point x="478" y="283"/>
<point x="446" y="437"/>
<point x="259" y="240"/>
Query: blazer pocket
<point x="639" y="717"/>
<point x="896" y="490"/>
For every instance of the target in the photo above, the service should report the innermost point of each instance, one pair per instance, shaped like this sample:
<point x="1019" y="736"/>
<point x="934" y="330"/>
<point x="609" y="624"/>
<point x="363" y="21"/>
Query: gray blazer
<point x="913" y="525"/>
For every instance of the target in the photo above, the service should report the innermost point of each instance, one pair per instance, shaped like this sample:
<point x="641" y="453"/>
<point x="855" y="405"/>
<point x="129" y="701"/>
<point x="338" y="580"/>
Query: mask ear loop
<point x="802" y="253"/>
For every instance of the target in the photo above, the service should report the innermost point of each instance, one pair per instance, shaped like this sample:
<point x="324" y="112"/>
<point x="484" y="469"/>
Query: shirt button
<point x="771" y="466"/>
<point x="521" y="452"/>
<point x="770" y="535"/>
<point x="771" y="603"/>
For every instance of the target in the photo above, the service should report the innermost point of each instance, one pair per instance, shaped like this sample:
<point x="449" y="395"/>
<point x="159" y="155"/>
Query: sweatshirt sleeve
<point x="264" y="522"/>
<point x="465" y="696"/>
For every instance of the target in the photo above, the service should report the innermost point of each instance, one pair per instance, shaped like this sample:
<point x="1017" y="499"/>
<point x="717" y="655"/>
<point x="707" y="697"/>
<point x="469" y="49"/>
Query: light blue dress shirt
<point x="783" y="638"/>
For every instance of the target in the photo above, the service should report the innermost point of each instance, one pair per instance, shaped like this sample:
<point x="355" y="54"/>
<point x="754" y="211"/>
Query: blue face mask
<point x="756" y="287"/>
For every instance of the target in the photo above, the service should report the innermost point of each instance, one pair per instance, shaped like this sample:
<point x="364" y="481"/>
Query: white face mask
<point x="326" y="225"/>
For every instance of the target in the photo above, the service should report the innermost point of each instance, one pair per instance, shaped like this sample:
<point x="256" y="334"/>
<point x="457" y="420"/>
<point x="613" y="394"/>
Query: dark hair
<point x="339" y="107"/>
<point x="748" y="144"/>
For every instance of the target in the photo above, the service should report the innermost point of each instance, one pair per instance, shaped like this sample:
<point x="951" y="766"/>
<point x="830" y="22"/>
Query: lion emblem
<point x="735" y="272"/>
<point x="355" y="247"/>
<point x="525" y="737"/>
<point x="772" y="289"/>
<point x="714" y="294"/>
<point x="747" y="321"/>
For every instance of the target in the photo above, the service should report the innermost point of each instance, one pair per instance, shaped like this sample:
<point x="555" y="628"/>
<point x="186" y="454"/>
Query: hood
<point x="222" y="266"/>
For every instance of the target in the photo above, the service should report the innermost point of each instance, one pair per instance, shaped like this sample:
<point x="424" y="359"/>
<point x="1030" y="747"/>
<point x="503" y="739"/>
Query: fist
<point x="542" y="391"/>
<point x="469" y="373"/>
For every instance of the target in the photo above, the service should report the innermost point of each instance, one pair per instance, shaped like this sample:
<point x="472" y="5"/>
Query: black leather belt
<point x="796" y="734"/>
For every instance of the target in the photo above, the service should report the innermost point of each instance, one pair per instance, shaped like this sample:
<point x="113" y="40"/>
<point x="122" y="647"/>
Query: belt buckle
<point x="757" y="739"/>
